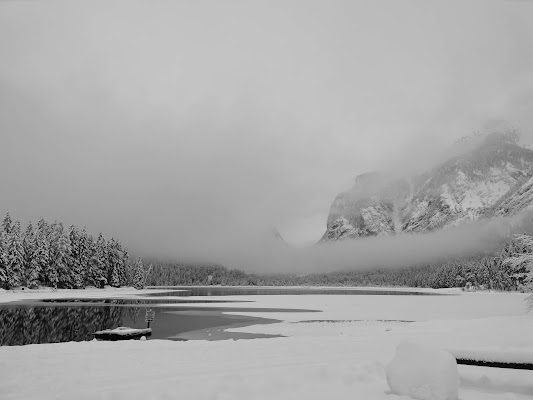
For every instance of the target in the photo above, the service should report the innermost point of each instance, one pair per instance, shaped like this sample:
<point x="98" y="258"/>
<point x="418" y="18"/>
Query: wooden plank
<point x="494" y="364"/>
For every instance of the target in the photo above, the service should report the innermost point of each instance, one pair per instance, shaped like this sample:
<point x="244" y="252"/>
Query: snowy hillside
<point x="517" y="199"/>
<point x="369" y="208"/>
<point x="494" y="178"/>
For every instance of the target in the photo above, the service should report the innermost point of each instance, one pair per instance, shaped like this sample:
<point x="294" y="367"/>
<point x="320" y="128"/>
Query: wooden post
<point x="149" y="316"/>
<point x="494" y="364"/>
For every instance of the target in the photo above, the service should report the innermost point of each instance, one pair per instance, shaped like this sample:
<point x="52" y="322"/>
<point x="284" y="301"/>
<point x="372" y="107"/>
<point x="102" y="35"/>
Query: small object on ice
<point x="122" y="333"/>
<point x="494" y="358"/>
<point x="143" y="337"/>
<point x="423" y="373"/>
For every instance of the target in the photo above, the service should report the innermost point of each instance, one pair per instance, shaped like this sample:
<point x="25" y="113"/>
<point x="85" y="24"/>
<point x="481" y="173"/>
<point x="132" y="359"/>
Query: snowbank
<point x="423" y="373"/>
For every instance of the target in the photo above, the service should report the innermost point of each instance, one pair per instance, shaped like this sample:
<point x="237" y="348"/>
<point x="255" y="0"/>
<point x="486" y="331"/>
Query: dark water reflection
<point x="30" y="325"/>
<point x="130" y="302"/>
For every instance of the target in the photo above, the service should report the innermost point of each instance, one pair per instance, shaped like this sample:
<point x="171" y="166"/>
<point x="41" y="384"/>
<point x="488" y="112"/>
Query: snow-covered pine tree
<point x="62" y="257"/>
<point x="45" y="246"/>
<point x="520" y="261"/>
<point x="3" y="258"/>
<point x="48" y="275"/>
<point x="94" y="264"/>
<point x="7" y="224"/>
<point x="125" y="277"/>
<point x="74" y="258"/>
<point x="78" y="244"/>
<point x="83" y="254"/>
<point x="42" y="226"/>
<point x="31" y="266"/>
<point x="101" y="254"/>
<point x="115" y="262"/>
<point x="138" y="279"/>
<point x="15" y="256"/>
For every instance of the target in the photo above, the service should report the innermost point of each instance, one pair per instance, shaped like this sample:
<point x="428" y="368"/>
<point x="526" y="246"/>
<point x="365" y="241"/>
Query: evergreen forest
<point x="49" y="254"/>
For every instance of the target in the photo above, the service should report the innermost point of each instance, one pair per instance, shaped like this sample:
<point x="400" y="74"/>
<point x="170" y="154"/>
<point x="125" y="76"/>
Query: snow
<point x="474" y="195"/>
<point x="511" y="168"/>
<point x="123" y="331"/>
<point x="423" y="373"/>
<point x="522" y="199"/>
<point x="448" y="199"/>
<point x="343" y="355"/>
<point x="7" y="296"/>
<point x="376" y="219"/>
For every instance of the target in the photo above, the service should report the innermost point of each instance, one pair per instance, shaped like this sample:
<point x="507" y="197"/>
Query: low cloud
<point x="269" y="255"/>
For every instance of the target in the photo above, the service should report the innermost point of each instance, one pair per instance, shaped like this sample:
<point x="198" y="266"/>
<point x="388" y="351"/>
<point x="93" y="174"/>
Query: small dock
<point x="122" y="333"/>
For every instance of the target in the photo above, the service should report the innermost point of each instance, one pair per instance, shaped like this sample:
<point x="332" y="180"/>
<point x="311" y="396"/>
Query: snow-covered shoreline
<point x="339" y="352"/>
<point x="45" y="293"/>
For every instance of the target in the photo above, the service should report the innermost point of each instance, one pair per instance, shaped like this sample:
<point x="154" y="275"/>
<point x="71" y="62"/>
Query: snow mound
<point x="423" y="373"/>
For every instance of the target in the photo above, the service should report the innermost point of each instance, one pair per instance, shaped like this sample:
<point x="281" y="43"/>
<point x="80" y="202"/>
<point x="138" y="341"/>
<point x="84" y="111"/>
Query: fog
<point x="189" y="129"/>
<point x="483" y="237"/>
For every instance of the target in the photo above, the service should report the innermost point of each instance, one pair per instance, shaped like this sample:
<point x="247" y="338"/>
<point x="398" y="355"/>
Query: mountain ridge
<point x="492" y="179"/>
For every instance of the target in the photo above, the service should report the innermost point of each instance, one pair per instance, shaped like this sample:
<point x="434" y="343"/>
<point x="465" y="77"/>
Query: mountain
<point x="491" y="179"/>
<point x="517" y="199"/>
<point x="369" y="208"/>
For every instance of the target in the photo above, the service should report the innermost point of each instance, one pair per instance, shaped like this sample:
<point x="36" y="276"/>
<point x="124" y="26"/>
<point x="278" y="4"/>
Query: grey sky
<point x="172" y="124"/>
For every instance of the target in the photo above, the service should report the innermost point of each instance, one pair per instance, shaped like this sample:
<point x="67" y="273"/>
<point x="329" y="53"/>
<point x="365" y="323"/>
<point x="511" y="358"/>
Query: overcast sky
<point x="169" y="123"/>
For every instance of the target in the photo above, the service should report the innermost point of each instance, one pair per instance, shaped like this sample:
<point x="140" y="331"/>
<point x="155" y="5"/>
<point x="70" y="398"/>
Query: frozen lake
<point x="75" y="319"/>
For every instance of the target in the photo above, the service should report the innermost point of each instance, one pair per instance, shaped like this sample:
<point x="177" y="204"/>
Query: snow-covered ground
<point x="340" y="353"/>
<point x="8" y="296"/>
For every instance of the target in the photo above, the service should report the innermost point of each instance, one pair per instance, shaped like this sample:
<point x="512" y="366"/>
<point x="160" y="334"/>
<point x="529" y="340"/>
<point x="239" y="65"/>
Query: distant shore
<point x="44" y="293"/>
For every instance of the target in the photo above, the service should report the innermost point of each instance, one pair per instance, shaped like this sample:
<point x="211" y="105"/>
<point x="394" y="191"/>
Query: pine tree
<point x="83" y="256"/>
<point x="3" y="258"/>
<point x="32" y="268"/>
<point x="46" y="244"/>
<point x="48" y="275"/>
<point x="138" y="279"/>
<point x="94" y="264"/>
<point x="101" y="254"/>
<point x="79" y="257"/>
<point x="520" y="260"/>
<point x="124" y="267"/>
<point x="15" y="256"/>
<point x="115" y="263"/>
<point x="62" y="257"/>
<point x="7" y="224"/>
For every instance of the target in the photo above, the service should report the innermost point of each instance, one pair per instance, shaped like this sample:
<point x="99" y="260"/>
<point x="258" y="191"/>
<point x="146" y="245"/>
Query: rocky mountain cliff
<point x="492" y="178"/>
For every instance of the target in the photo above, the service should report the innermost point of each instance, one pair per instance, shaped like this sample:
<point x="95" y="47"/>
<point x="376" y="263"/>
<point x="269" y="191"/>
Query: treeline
<point x="508" y="269"/>
<point x="52" y="255"/>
